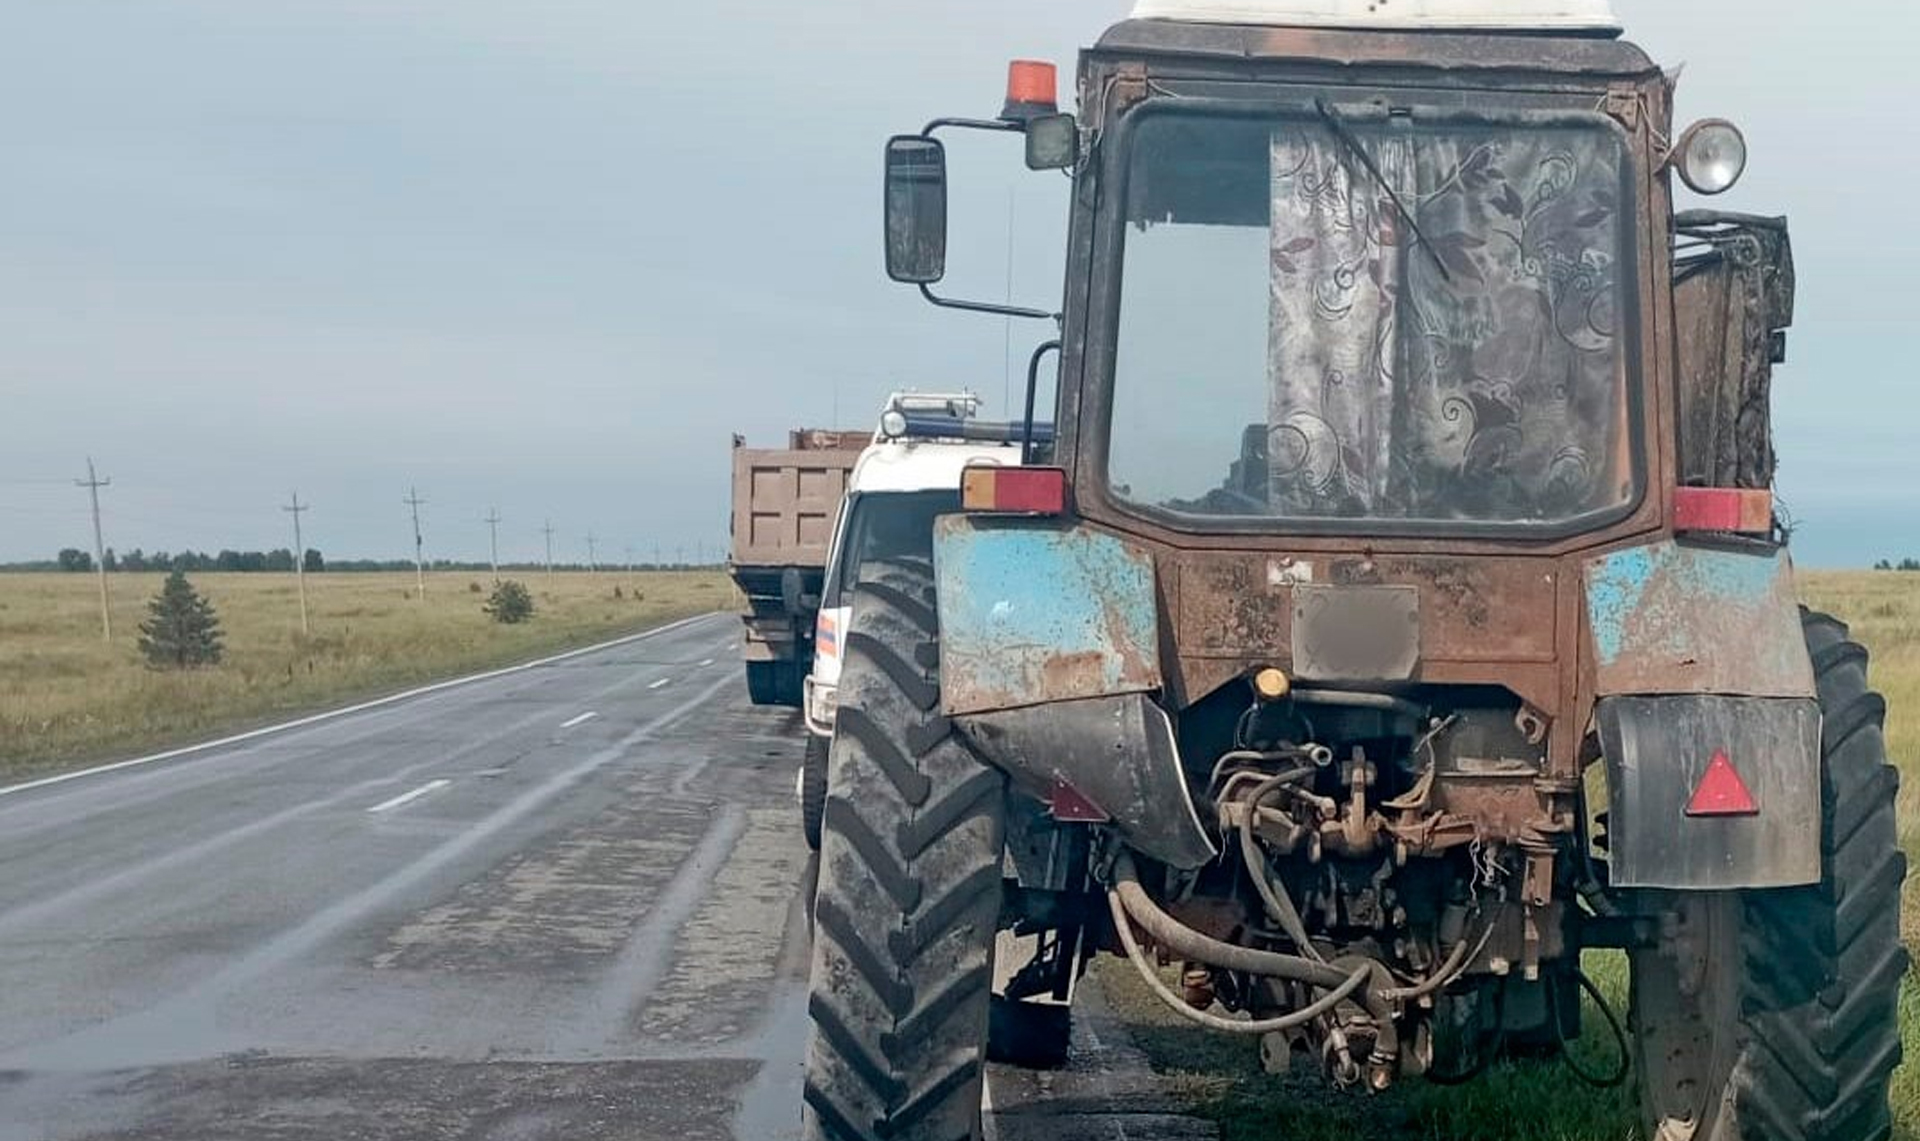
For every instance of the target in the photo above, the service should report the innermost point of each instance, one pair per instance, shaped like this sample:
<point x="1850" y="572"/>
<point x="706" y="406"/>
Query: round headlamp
<point x="1711" y="156"/>
<point x="893" y="423"/>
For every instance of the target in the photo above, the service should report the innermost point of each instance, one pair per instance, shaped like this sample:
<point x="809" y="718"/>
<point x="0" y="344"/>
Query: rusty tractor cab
<point x="1398" y="611"/>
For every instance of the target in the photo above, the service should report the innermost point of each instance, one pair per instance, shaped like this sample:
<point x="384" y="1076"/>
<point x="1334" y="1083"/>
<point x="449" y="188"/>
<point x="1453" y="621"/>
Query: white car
<point x="905" y="479"/>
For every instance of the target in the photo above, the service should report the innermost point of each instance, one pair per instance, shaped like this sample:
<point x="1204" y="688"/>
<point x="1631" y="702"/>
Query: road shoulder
<point x="1107" y="1090"/>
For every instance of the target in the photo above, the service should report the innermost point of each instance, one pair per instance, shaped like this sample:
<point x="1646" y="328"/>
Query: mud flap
<point x="1112" y="756"/>
<point x="1658" y="751"/>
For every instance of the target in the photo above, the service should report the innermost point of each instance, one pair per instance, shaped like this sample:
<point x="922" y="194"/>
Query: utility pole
<point x="414" y="501"/>
<point x="93" y="483"/>
<point x="592" y="564"/>
<point x="548" y="532"/>
<point x="629" y="561"/>
<point x="493" y="540"/>
<point x="300" y="558"/>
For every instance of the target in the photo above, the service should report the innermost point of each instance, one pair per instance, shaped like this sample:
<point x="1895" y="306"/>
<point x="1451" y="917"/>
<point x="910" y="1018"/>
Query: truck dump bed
<point x="784" y="500"/>
<point x="784" y="504"/>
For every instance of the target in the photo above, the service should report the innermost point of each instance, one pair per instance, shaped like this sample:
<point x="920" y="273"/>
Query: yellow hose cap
<point x="1271" y="684"/>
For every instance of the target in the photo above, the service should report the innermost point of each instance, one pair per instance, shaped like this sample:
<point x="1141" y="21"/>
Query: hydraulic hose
<point x="1176" y="936"/>
<point x="1279" y="904"/>
<point x="1132" y="900"/>
<point x="1448" y="971"/>
<point x="1212" y="1021"/>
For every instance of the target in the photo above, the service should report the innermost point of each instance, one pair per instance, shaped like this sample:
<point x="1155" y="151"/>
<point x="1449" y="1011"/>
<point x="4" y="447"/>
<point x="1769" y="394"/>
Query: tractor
<point x="1398" y="610"/>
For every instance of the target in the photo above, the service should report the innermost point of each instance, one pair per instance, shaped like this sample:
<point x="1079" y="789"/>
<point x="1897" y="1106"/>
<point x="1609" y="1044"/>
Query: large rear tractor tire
<point x="909" y="892"/>
<point x="1772" y="1015"/>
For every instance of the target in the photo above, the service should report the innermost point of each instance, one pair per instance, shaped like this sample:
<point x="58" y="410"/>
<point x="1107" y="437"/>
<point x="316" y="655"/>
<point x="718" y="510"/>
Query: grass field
<point x="67" y="697"/>
<point x="1221" y="1077"/>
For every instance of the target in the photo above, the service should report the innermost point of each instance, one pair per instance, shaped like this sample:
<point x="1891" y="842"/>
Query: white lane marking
<point x="410" y="797"/>
<point x="330" y="714"/>
<point x="572" y="721"/>
<point x="706" y="661"/>
<point x="661" y="682"/>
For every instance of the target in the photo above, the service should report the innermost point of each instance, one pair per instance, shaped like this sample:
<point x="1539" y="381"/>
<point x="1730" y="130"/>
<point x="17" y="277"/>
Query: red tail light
<point x="1014" y="490"/>
<point x="1738" y="510"/>
<point x="1721" y="792"/>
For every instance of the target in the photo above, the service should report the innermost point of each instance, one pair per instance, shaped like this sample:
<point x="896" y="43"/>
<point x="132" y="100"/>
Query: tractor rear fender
<point x="1049" y="660"/>
<point x="1699" y="665"/>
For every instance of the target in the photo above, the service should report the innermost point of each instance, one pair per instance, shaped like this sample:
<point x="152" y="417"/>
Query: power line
<point x="300" y="558"/>
<point x="493" y="540"/>
<point x="93" y="483"/>
<point x="414" y="501"/>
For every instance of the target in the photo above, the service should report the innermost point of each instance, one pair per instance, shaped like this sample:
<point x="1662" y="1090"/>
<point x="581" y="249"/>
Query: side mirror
<point x="1053" y="142"/>
<point x="916" y="209"/>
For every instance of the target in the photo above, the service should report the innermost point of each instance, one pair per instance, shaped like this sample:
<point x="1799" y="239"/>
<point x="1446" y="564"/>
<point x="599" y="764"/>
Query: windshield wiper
<point x="1347" y="139"/>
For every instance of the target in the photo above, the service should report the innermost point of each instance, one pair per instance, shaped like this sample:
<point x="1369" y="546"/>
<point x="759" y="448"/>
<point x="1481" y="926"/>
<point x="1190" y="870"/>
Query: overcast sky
<point x="548" y="256"/>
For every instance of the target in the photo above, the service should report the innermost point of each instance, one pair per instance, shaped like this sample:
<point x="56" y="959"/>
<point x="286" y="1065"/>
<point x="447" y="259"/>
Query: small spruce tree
<point x="510" y="602"/>
<point x="181" y="630"/>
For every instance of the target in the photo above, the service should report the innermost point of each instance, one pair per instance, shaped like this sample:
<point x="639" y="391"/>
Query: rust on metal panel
<point x="1471" y="608"/>
<point x="1481" y="619"/>
<point x="1679" y="619"/>
<point x="1502" y="806"/>
<point x="1226" y="607"/>
<point x="1034" y="612"/>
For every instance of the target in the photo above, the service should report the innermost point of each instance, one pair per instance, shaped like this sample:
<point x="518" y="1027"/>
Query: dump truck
<point x="1399" y="612"/>
<point x="784" y="503"/>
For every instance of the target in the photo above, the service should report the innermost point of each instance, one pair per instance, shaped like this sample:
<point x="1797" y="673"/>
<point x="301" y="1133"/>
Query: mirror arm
<point x="980" y="306"/>
<point x="1033" y="378"/>
<point x="973" y="125"/>
<point x="986" y="306"/>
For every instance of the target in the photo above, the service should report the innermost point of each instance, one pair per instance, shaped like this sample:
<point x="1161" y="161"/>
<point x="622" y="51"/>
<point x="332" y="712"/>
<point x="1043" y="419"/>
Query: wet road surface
<point x="562" y="903"/>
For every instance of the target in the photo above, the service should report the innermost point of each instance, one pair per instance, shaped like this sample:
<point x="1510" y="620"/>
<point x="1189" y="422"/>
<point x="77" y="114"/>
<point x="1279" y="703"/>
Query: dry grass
<point x="1883" y="608"/>
<point x="66" y="697"/>
<point x="1222" y="1079"/>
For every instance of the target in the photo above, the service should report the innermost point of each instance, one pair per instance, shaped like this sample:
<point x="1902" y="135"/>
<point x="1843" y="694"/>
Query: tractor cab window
<point x="1342" y="314"/>
<point x="884" y="525"/>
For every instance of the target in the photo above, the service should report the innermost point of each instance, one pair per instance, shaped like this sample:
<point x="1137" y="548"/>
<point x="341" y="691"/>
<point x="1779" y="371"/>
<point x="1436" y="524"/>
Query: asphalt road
<point x="566" y="903"/>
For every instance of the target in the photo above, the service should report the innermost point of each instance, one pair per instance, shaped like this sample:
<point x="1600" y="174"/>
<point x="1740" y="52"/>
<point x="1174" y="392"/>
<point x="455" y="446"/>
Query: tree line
<point x="136" y="561"/>
<point x="73" y="559"/>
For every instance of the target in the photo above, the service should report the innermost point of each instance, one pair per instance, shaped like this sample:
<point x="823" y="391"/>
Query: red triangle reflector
<point x="1070" y="805"/>
<point x="1721" y="791"/>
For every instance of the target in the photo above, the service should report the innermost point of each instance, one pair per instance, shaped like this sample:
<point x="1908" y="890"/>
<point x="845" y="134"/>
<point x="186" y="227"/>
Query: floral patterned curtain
<point x="1478" y="377"/>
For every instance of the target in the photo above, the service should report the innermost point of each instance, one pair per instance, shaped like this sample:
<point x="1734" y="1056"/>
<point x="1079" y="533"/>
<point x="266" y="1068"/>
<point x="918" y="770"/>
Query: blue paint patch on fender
<point x="1614" y="588"/>
<point x="1679" y="618"/>
<point x="1037" y="611"/>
